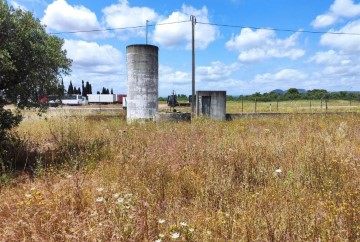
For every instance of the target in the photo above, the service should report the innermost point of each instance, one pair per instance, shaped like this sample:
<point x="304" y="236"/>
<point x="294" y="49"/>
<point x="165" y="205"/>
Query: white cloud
<point x="330" y="57"/>
<point x="15" y="4"/>
<point x="285" y="75"/>
<point x="217" y="71"/>
<point x="171" y="76"/>
<point x="122" y="15"/>
<point x="324" y="20"/>
<point x="179" y="35"/>
<point x="101" y="65"/>
<point x="263" y="44"/>
<point x="338" y="10"/>
<point x="215" y="76"/>
<point x="60" y="16"/>
<point x="345" y="42"/>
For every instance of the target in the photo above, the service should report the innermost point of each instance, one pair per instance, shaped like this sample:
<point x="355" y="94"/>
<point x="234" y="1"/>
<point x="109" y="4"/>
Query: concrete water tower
<point x="142" y="80"/>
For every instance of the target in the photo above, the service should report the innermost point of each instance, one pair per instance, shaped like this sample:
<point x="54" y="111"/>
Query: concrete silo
<point x="142" y="80"/>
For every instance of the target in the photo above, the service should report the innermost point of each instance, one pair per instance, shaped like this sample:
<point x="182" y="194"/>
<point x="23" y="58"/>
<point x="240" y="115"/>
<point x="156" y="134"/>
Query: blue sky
<point x="241" y="60"/>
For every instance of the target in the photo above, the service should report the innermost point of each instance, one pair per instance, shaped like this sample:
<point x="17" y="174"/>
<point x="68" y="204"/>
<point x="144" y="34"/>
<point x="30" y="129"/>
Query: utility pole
<point x="193" y="22"/>
<point x="147" y="22"/>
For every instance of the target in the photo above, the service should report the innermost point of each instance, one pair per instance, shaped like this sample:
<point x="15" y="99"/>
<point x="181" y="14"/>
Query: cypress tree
<point x="70" y="89"/>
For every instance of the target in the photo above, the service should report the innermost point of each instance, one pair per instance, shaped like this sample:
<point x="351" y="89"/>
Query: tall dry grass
<point x="294" y="178"/>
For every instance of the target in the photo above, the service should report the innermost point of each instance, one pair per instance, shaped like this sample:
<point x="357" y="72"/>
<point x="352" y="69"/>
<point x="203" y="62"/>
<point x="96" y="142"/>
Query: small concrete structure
<point x="142" y="80"/>
<point x="172" y="117"/>
<point x="211" y="104"/>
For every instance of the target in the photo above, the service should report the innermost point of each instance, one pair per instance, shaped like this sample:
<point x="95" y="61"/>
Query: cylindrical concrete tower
<point x="142" y="80"/>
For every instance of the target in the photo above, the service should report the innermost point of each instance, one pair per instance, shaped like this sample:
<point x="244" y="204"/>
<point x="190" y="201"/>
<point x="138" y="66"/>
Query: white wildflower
<point x="100" y="199"/>
<point x="99" y="189"/>
<point x="28" y="195"/>
<point x="120" y="200"/>
<point x="161" y="221"/>
<point x="191" y="230"/>
<point x="278" y="170"/>
<point x="161" y="235"/>
<point x="175" y="235"/>
<point x="158" y="240"/>
<point x="183" y="224"/>
<point x="116" y="195"/>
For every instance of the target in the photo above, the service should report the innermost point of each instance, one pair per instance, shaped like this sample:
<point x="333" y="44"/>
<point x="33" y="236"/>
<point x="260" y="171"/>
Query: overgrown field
<point x="291" y="178"/>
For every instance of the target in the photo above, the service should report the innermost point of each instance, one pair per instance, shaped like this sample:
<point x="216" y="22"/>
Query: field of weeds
<point x="293" y="178"/>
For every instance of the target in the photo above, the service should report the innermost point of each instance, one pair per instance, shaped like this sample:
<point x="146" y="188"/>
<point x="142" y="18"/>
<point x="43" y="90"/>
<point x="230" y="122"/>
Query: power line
<point x="279" y="30"/>
<point x="112" y="29"/>
<point x="203" y="23"/>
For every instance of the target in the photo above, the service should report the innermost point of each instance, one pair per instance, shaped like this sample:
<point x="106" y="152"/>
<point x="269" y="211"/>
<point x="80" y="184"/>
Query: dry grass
<point x="294" y="178"/>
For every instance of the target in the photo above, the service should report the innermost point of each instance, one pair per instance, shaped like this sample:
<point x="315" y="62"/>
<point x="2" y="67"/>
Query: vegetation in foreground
<point x="294" y="178"/>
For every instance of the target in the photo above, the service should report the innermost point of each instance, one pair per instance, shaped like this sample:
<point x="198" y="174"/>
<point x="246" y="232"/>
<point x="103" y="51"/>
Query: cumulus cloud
<point x="217" y="71"/>
<point x="338" y="10"/>
<point x="337" y="63"/>
<point x="216" y="75"/>
<point x="330" y="57"/>
<point x="123" y="15"/>
<point x="285" y="75"/>
<point x="94" y="57"/>
<point x="60" y="16"/>
<point x="263" y="44"/>
<point x="349" y="43"/>
<point x="179" y="35"/>
<point x="101" y="65"/>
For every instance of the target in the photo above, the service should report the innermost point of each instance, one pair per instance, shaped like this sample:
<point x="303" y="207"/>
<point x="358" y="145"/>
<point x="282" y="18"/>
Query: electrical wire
<point x="279" y="30"/>
<point x="203" y="23"/>
<point x="112" y="29"/>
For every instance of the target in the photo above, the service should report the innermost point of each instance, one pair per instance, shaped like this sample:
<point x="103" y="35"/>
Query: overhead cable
<point x="279" y="30"/>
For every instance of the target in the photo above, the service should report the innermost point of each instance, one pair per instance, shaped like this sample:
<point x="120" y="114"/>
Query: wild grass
<point x="294" y="106"/>
<point x="293" y="178"/>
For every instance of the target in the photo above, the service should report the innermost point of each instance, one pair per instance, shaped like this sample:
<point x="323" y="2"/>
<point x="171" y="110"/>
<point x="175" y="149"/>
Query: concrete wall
<point x="217" y="105"/>
<point x="142" y="80"/>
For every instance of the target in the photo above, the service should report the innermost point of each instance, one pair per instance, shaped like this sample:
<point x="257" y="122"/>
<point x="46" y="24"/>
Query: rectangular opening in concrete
<point x="205" y="105"/>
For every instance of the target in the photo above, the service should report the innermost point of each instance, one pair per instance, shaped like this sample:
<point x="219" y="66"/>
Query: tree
<point x="293" y="91"/>
<point x="89" y="88"/>
<point x="70" y="89"/>
<point x="84" y="90"/>
<point x="32" y="64"/>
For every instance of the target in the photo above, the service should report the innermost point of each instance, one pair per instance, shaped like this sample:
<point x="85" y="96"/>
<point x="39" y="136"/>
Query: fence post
<point x="242" y="104"/>
<point x="321" y="105"/>
<point x="255" y="105"/>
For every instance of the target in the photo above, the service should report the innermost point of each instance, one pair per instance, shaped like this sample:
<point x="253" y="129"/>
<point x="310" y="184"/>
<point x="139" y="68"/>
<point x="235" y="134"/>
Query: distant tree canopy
<point x="32" y="63"/>
<point x="295" y="94"/>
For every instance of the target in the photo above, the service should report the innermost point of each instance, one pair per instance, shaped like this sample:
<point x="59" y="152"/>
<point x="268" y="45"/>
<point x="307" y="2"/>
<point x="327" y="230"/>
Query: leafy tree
<point x="70" y="89"/>
<point x="293" y="91"/>
<point x="84" y="90"/>
<point x="32" y="64"/>
<point x="89" y="88"/>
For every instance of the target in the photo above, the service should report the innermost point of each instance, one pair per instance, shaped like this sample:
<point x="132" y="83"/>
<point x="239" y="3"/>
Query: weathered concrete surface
<point x="233" y="116"/>
<point x="212" y="104"/>
<point x="142" y="80"/>
<point x="172" y="117"/>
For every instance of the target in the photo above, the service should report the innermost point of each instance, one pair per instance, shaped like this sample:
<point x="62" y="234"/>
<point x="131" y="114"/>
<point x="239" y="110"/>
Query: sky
<point x="242" y="46"/>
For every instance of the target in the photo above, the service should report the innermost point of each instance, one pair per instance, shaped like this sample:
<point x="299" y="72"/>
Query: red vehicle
<point x="120" y="98"/>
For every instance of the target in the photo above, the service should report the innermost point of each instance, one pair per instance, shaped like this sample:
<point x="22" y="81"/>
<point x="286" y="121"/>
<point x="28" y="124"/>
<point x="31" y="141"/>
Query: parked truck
<point x="102" y="98"/>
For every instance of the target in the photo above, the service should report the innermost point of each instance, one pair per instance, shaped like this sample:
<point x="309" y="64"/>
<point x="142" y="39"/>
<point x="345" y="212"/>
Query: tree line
<point x="295" y="94"/>
<point x="86" y="89"/>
